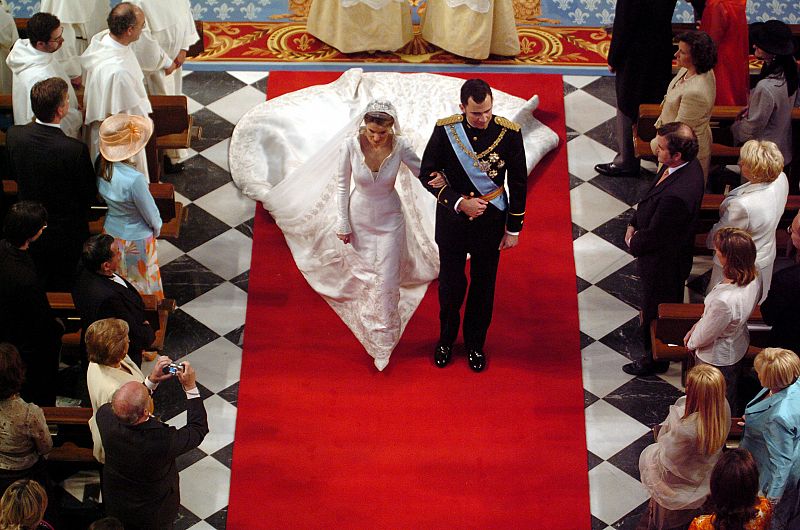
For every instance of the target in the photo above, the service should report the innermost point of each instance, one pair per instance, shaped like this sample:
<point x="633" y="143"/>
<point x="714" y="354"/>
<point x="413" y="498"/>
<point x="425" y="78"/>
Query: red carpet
<point x="323" y="440"/>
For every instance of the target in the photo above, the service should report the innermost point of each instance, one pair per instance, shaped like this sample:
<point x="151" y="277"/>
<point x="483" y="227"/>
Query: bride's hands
<point x="438" y="181"/>
<point x="344" y="237"/>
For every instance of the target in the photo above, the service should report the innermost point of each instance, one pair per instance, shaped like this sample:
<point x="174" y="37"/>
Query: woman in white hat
<point x="133" y="219"/>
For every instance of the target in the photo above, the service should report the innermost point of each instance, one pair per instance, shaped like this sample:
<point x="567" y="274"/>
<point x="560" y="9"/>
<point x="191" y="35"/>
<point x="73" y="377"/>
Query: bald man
<point x="140" y="478"/>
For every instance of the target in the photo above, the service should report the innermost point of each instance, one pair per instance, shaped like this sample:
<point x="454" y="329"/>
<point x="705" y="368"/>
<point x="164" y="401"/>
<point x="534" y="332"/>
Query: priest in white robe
<point x="472" y="28"/>
<point x="8" y="36"/>
<point x="34" y="59"/>
<point x="169" y="34"/>
<point x="82" y="19"/>
<point x="113" y="78"/>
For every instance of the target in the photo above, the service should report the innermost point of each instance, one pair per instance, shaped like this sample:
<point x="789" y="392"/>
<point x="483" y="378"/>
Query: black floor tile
<point x="629" y="190"/>
<point x="626" y="339"/>
<point x="588" y="398"/>
<point x="597" y="524"/>
<point x="170" y="398"/>
<point x="247" y="227"/>
<point x="700" y="283"/>
<point x="628" y="459"/>
<point x="218" y="520"/>
<point x="230" y="394"/>
<point x="593" y="460"/>
<point x="199" y="228"/>
<point x="236" y="336"/>
<point x="188" y="458"/>
<point x="241" y="281"/>
<point x="215" y="129"/>
<point x="185" y="334"/>
<point x="261" y="85"/>
<point x="603" y="89"/>
<point x="582" y="284"/>
<point x="623" y="284"/>
<point x="574" y="181"/>
<point x="185" y="279"/>
<point x="604" y="134"/>
<point x="200" y="176"/>
<point x="185" y="519"/>
<point x="585" y="340"/>
<point x="569" y="89"/>
<point x="207" y="87"/>
<point x="225" y="455"/>
<point x="646" y="399"/>
<point x="577" y="231"/>
<point x="614" y="229"/>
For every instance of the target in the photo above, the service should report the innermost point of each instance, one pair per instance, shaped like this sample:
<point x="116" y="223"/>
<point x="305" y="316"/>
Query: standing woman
<point x="371" y="219"/>
<point x="769" y="114"/>
<point x="133" y="219"/>
<point x="676" y="470"/>
<point x="725" y="21"/>
<point x="721" y="337"/>
<point x="756" y="207"/>
<point x="691" y="93"/>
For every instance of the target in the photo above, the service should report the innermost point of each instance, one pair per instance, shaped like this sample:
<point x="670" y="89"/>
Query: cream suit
<point x="757" y="208"/>
<point x="690" y="101"/>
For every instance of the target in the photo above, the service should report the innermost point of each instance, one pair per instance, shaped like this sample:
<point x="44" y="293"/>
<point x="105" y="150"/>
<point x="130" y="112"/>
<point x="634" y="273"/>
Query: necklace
<point x="476" y="157"/>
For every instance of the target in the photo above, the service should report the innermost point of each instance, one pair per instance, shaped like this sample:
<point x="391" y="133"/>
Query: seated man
<point x="101" y="293"/>
<point x="26" y="320"/>
<point x="54" y="169"/>
<point x="140" y="478"/>
<point x="781" y="309"/>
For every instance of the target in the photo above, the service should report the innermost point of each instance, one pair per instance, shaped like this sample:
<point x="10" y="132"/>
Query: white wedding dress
<point x="285" y="153"/>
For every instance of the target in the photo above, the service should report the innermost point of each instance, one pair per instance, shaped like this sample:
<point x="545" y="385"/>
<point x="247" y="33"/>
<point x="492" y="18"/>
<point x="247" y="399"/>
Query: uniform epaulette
<point x="455" y="118"/>
<point x="508" y="124"/>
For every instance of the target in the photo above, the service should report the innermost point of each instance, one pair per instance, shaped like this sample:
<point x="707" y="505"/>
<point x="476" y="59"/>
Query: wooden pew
<point x="72" y="440"/>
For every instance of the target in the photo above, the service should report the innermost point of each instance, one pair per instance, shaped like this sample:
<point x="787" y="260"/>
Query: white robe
<point x="273" y="159"/>
<point x="171" y="26"/>
<point x="81" y="20"/>
<point x="8" y="36"/>
<point x="114" y="84"/>
<point x="29" y="66"/>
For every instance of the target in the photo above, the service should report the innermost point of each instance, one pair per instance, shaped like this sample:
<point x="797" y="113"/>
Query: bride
<point x="371" y="219"/>
<point x="296" y="176"/>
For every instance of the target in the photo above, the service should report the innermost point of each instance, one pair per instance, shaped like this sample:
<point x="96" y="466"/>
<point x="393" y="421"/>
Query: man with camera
<point x="140" y="477"/>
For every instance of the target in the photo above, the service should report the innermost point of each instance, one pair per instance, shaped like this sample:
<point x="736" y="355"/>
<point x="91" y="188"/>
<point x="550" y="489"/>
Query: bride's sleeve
<point x="343" y="190"/>
<point x="410" y="157"/>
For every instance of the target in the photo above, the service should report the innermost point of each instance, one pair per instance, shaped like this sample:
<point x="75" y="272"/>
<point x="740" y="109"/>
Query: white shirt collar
<point x="56" y="125"/>
<point x="671" y="170"/>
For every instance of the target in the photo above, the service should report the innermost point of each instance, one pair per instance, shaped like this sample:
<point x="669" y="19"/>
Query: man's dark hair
<point x="477" y="89"/>
<point x="107" y="523"/>
<point x="23" y="221"/>
<point x="680" y="139"/>
<point x="12" y="371"/>
<point x="96" y="251"/>
<point x="121" y="18"/>
<point x="41" y="26"/>
<point x="46" y="96"/>
<point x="703" y="49"/>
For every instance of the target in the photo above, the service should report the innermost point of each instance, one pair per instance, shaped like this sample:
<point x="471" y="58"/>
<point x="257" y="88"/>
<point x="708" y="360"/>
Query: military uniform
<point x="499" y="151"/>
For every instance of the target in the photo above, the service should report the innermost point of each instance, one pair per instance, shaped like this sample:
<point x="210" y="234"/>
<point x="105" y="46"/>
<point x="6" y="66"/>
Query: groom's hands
<point x="472" y="207"/>
<point x="508" y="241"/>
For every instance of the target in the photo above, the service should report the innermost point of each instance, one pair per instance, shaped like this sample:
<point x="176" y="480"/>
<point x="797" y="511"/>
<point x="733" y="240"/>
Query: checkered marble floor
<point x="206" y="270"/>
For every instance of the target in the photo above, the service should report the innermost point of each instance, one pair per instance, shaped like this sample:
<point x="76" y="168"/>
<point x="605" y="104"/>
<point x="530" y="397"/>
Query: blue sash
<point x="479" y="178"/>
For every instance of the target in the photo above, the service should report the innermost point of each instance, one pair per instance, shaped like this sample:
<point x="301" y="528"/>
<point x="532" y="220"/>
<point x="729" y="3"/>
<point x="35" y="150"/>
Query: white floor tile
<point x="205" y="486"/>
<point x="600" y="313"/>
<point x="181" y="199"/>
<point x="592" y="207"/>
<point x="227" y="204"/>
<point x="167" y="252"/>
<point x="596" y="258"/>
<point x="227" y="255"/>
<point x="247" y="76"/>
<point x="221" y="422"/>
<point x="584" y="154"/>
<point x="234" y="105"/>
<point x="202" y="525"/>
<point x="580" y="81"/>
<point x="222" y="309"/>
<point x="613" y="493"/>
<point x="609" y="430"/>
<point x="217" y="363"/>
<point x="673" y="376"/>
<point x="75" y="484"/>
<point x="218" y="153"/>
<point x="188" y="153"/>
<point x="192" y="105"/>
<point x="602" y="369"/>
<point x="584" y="112"/>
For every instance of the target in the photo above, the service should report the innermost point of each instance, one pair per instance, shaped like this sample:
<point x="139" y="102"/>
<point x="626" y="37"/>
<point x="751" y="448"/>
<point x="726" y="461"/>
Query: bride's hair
<point x="379" y="118"/>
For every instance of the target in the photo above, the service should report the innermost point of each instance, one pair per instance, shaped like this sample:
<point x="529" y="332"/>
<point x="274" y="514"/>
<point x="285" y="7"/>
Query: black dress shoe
<point x="613" y="170"/>
<point x="476" y="359"/>
<point x="441" y="355"/>
<point x="171" y="168"/>
<point x="641" y="368"/>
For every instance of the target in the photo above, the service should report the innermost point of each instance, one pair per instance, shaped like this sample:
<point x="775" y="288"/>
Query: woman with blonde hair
<point x="676" y="469"/>
<point x="23" y="505"/>
<point x="721" y="337"/>
<point x="756" y="206"/>
<point x="772" y="431"/>
<point x="110" y="368"/>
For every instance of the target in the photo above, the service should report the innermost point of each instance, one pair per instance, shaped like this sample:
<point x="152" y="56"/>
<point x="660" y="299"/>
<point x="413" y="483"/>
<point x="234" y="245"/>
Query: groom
<point x="476" y="151"/>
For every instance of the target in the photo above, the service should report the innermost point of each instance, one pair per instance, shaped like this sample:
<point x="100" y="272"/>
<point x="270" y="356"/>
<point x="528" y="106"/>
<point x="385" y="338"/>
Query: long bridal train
<point x="284" y="152"/>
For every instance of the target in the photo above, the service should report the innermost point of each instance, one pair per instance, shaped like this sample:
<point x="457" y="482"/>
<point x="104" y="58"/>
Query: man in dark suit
<point x="26" y="320"/>
<point x="140" y="478"/>
<point x="781" y="309"/>
<point x="641" y="57"/>
<point x="54" y="169"/>
<point x="661" y="232"/>
<point x="101" y="293"/>
<point x="475" y="151"/>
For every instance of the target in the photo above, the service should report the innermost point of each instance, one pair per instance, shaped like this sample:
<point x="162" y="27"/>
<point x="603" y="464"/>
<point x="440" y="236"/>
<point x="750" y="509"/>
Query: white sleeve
<point x="716" y="317"/>
<point x="343" y="175"/>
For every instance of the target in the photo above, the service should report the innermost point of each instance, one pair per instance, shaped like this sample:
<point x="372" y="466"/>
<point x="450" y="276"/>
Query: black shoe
<point x="441" y="355"/>
<point x="171" y="168"/>
<point x="476" y="359"/>
<point x="641" y="368"/>
<point x="613" y="170"/>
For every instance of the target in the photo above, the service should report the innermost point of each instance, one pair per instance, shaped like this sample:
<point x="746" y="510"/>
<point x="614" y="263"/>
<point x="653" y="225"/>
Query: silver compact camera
<point x="173" y="368"/>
